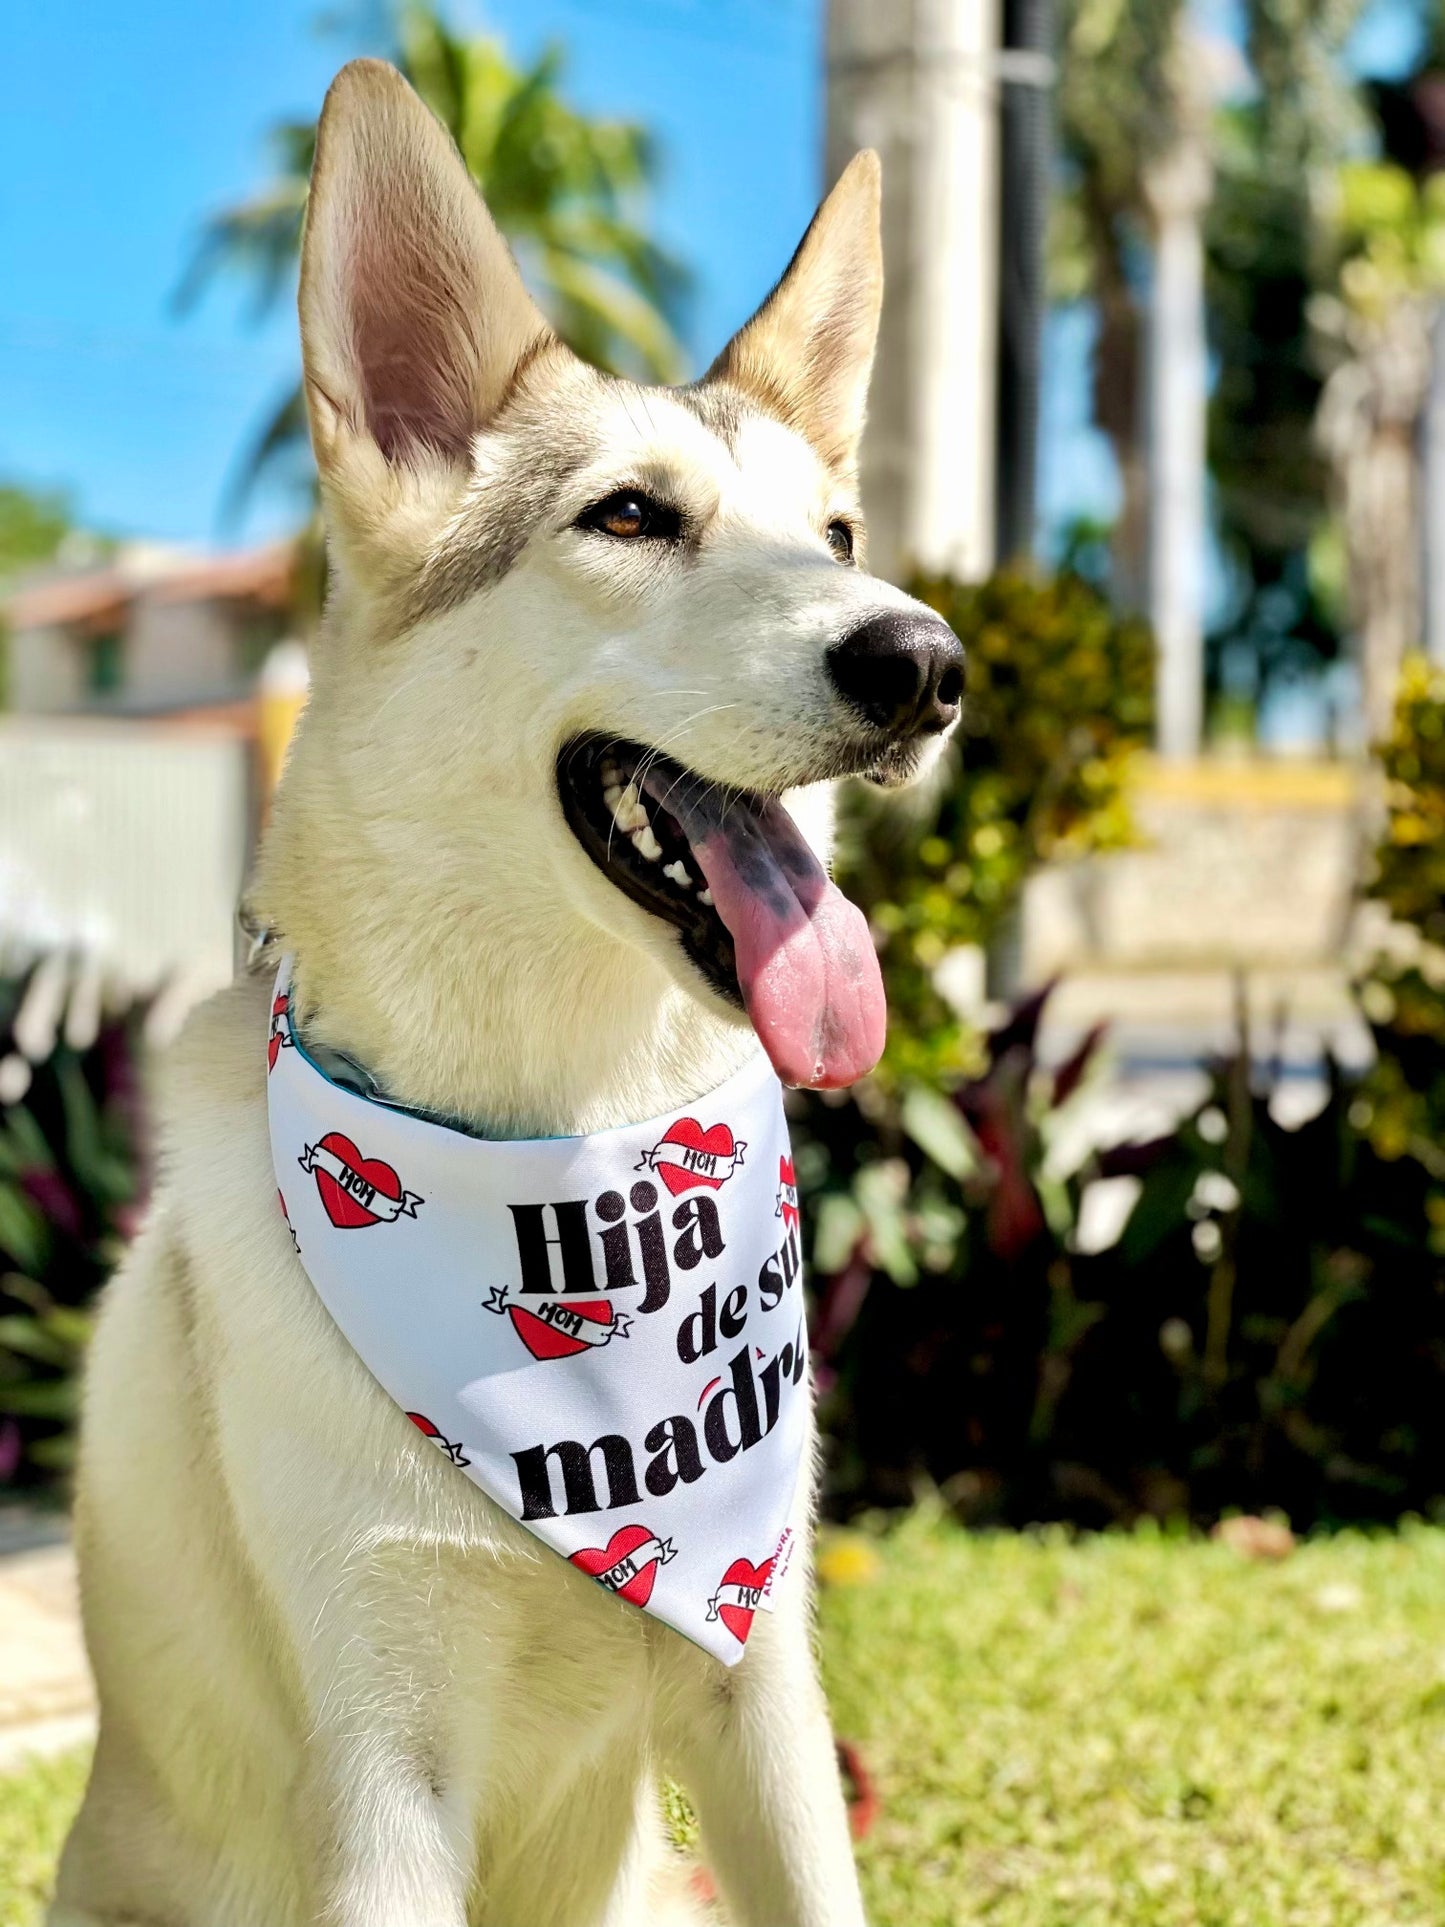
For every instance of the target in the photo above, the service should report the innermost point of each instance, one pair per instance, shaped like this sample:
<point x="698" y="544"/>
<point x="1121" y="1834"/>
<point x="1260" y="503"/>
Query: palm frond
<point x="283" y="440"/>
<point x="607" y="320"/>
<point x="563" y="186"/>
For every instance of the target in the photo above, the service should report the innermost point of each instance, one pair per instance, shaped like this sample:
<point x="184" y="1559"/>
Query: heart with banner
<point x="559" y="1327"/>
<point x="686" y="1155"/>
<point x="738" y="1596"/>
<point x="451" y="1447"/>
<point x="281" y="1036"/>
<point x="627" y="1565"/>
<point x="355" y="1190"/>
<point x="788" y="1193"/>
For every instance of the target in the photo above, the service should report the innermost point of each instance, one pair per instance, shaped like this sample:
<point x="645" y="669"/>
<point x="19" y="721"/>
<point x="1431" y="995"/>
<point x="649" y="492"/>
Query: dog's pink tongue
<point x="806" y="963"/>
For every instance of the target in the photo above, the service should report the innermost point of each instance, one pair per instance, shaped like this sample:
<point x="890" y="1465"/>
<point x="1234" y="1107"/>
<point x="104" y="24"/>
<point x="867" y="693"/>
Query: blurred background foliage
<point x="1268" y="1330"/>
<point x="1058" y="699"/>
<point x="1114" y="116"/>
<point x="1265" y="1323"/>
<point x="1322" y="255"/>
<point x="74" y="1171"/>
<point x="1276" y="146"/>
<point x="1401" y="1103"/>
<point x="32" y="528"/>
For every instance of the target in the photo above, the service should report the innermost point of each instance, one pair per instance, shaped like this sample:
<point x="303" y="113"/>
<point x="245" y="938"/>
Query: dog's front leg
<point x="755" y="1751"/>
<point x="385" y="1808"/>
<point x="396" y="1851"/>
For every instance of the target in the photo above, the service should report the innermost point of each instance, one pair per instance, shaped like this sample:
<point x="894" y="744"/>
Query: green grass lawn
<point x="35" y="1810"/>
<point x="1142" y="1730"/>
<point x="1138" y="1731"/>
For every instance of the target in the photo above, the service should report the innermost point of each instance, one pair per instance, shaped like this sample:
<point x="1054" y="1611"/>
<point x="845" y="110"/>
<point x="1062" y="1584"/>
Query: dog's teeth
<point x="678" y="874"/>
<point x="612" y="796"/>
<point x="705" y="896"/>
<point x="646" y="844"/>
<point x="627" y="812"/>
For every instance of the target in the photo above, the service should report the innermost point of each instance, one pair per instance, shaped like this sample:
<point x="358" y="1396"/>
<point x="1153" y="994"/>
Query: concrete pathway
<point x="1162" y="1021"/>
<point x="47" y="1702"/>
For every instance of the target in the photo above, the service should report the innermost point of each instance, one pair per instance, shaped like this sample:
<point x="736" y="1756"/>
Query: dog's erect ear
<point x="413" y="316"/>
<point x="807" y="353"/>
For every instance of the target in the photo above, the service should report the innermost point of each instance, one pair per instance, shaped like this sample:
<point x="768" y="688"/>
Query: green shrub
<point x="72" y="1180"/>
<point x="1268" y="1330"/>
<point x="1410" y="861"/>
<point x="1401" y="1106"/>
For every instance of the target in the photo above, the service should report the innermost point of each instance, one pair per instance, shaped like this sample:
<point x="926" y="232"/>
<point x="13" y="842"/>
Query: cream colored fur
<point x="337" y="1684"/>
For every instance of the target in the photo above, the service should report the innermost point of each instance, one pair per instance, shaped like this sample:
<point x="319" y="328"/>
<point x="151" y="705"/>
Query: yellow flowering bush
<point x="1410" y="862"/>
<point x="1401" y="1105"/>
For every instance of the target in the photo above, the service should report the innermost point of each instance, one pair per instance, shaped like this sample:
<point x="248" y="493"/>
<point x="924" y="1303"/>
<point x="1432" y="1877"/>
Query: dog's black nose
<point x="903" y="671"/>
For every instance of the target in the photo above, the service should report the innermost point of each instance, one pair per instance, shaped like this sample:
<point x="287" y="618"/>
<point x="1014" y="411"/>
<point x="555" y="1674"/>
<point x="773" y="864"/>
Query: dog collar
<point x="605" y="1333"/>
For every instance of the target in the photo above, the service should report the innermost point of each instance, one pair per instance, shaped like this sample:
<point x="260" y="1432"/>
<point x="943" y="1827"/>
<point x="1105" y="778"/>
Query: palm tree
<point x="560" y="186"/>
<point x="1116" y="117"/>
<point x="1136" y="129"/>
<point x="1168" y="172"/>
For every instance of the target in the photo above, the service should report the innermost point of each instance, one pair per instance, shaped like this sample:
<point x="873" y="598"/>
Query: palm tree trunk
<point x="1178" y="186"/>
<point x="1117" y="402"/>
<point x="1369" y="414"/>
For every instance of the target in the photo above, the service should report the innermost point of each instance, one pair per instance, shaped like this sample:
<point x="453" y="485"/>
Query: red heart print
<point x="295" y="1241"/>
<point x="788" y="1194"/>
<point x="688" y="1135"/>
<point x="280" y="1010"/>
<point x="451" y="1447"/>
<point x="342" y="1209"/>
<point x="545" y="1341"/>
<point x="739" y="1619"/>
<point x="595" y="1559"/>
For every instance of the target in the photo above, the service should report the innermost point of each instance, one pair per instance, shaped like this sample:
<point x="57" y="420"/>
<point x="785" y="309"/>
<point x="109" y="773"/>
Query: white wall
<point x="173" y="654"/>
<point x="45" y="670"/>
<point x="179" y="652"/>
<point x="124" y="842"/>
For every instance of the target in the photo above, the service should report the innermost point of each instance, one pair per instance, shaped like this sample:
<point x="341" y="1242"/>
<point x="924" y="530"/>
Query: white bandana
<point x="605" y="1333"/>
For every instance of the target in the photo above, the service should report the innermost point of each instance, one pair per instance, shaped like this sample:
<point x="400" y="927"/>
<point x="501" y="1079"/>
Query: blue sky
<point x="124" y="126"/>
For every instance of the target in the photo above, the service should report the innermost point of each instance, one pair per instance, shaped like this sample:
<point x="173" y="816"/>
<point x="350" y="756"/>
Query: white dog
<point x="338" y="1682"/>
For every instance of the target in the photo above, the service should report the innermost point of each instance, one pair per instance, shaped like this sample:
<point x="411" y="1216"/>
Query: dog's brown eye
<point x="840" y="541"/>
<point x="630" y="516"/>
